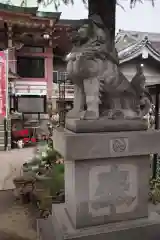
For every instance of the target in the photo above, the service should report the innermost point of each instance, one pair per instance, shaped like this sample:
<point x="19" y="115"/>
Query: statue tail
<point x="124" y="84"/>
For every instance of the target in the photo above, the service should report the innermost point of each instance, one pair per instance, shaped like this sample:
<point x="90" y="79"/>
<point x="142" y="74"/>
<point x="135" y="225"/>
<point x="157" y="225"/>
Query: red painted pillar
<point x="49" y="71"/>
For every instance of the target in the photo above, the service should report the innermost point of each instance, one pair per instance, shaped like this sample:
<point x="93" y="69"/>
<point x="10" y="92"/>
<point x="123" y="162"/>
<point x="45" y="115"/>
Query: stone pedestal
<point x="101" y="191"/>
<point x="106" y="185"/>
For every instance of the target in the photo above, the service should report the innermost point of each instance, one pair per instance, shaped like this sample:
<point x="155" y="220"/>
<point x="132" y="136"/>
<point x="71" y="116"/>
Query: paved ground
<point x="10" y="165"/>
<point x="16" y="222"/>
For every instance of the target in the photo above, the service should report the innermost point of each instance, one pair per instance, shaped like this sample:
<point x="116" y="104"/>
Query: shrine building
<point x="37" y="43"/>
<point x="27" y="35"/>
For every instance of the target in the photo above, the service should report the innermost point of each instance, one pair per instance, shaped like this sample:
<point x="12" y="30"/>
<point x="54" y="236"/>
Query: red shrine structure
<point x="27" y="34"/>
<point x="35" y="44"/>
<point x="30" y="39"/>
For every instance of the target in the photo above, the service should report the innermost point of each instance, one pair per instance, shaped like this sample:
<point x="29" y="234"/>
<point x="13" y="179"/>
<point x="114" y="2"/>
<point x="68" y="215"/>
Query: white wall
<point x="151" y="71"/>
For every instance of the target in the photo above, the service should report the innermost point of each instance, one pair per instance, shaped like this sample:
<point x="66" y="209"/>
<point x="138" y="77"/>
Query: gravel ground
<point x="16" y="221"/>
<point x="10" y="236"/>
<point x="11" y="165"/>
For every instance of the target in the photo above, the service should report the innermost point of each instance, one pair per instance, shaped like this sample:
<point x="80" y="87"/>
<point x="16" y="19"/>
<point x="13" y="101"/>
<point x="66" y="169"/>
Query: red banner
<point x="3" y="83"/>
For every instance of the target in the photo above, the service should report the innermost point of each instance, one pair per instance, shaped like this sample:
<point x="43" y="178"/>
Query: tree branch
<point x="106" y="9"/>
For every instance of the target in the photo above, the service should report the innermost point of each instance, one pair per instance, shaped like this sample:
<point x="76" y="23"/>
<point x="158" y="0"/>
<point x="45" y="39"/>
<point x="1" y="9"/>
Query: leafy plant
<point x="57" y="3"/>
<point x="56" y="180"/>
<point x="154" y="194"/>
<point x="47" y="169"/>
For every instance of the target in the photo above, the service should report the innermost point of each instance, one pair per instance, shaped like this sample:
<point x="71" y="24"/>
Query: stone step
<point x="2" y="147"/>
<point x="1" y="127"/>
<point x="2" y="131"/>
<point x="2" y="135"/>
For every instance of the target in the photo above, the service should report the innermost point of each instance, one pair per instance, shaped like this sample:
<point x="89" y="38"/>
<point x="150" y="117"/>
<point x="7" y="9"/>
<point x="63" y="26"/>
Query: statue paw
<point x="89" y="115"/>
<point x="83" y="115"/>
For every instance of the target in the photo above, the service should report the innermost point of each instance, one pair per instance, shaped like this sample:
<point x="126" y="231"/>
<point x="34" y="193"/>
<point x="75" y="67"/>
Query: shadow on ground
<point x="16" y="220"/>
<point x="11" y="236"/>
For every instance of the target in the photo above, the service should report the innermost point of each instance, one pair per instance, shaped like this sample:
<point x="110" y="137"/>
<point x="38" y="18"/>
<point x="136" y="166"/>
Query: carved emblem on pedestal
<point x="112" y="192"/>
<point x="119" y="145"/>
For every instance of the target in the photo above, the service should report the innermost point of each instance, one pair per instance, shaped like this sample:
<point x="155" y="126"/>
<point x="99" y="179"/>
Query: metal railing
<point x="67" y="91"/>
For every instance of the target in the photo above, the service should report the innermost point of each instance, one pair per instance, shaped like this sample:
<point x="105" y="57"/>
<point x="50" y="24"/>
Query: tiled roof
<point x="124" y="42"/>
<point x="17" y="9"/>
<point x="29" y="10"/>
<point x="130" y="44"/>
<point x="155" y="37"/>
<point x="73" y="23"/>
<point x="138" y="49"/>
<point x="156" y="45"/>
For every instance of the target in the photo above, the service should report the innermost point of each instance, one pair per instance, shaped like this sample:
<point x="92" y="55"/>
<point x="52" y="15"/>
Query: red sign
<point x="3" y="83"/>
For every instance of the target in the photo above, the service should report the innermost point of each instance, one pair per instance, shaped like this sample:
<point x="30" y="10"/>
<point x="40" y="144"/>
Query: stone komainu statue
<point x="101" y="90"/>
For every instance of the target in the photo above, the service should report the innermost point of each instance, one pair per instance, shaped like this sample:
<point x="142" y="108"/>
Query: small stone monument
<point x="106" y="147"/>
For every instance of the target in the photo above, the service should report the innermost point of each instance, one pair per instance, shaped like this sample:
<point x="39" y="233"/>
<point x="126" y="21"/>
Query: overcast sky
<point x="143" y="17"/>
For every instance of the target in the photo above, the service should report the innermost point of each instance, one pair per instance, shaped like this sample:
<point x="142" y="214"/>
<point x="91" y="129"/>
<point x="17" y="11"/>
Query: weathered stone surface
<point x="106" y="185"/>
<point x="78" y="146"/>
<point x="11" y="164"/>
<point x="106" y="174"/>
<point x="59" y="227"/>
<point x="105" y="125"/>
<point x="106" y="190"/>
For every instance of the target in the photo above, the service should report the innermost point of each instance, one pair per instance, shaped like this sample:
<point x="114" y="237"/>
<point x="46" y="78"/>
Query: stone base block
<point x="106" y="175"/>
<point x="105" y="125"/>
<point x="59" y="227"/>
<point x="80" y="146"/>
<point x="101" y="191"/>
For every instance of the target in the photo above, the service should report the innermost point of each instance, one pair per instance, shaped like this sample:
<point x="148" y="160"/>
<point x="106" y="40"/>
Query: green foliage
<point x="57" y="3"/>
<point x="51" y="156"/>
<point x="44" y="153"/>
<point x="154" y="194"/>
<point x="51" y="179"/>
<point x="133" y="2"/>
<point x="56" y="182"/>
<point x="33" y="162"/>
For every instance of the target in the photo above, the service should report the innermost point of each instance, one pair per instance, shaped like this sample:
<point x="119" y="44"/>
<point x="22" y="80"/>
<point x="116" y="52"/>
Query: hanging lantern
<point x="144" y="53"/>
<point x="46" y="36"/>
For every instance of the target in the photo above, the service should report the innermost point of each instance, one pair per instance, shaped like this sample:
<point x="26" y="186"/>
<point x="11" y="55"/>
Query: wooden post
<point x="9" y="46"/>
<point x="155" y="158"/>
<point x="9" y="25"/>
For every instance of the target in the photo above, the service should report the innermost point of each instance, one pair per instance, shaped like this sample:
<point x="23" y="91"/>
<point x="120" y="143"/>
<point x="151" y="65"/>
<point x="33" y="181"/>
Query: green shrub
<point x="56" y="181"/>
<point x="154" y="194"/>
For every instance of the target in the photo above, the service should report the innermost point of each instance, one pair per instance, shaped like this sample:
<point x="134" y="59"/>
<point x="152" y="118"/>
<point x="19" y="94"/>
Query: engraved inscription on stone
<point x="113" y="189"/>
<point x="118" y="145"/>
